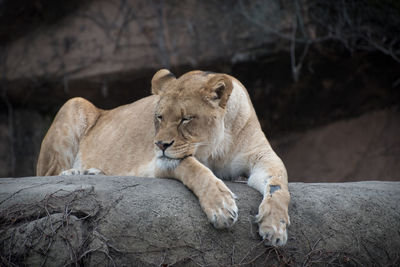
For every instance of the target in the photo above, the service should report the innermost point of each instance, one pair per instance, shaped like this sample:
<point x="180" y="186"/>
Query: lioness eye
<point x="187" y="119"/>
<point x="159" y="117"/>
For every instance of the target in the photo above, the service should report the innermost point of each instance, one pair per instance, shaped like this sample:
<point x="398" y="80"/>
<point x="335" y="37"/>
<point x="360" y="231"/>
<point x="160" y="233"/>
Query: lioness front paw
<point x="272" y="221"/>
<point x="219" y="205"/>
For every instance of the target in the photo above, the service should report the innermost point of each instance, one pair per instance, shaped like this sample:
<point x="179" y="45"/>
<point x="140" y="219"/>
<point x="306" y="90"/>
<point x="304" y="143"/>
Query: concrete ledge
<point x="130" y="221"/>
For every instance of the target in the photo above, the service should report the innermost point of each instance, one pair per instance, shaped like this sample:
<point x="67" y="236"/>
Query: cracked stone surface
<point x="131" y="221"/>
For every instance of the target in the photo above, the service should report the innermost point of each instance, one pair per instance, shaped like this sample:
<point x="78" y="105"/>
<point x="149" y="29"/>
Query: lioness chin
<point x="194" y="128"/>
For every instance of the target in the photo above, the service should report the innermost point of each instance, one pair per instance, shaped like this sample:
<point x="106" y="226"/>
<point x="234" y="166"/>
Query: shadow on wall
<point x="363" y="148"/>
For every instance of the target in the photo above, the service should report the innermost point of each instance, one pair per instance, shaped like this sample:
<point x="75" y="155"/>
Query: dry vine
<point x="43" y="223"/>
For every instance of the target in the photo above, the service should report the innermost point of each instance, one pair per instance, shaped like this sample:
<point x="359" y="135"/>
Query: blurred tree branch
<point x="359" y="25"/>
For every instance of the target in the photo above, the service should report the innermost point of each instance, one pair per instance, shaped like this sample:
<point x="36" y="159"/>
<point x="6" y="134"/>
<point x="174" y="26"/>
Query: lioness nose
<point x="163" y="145"/>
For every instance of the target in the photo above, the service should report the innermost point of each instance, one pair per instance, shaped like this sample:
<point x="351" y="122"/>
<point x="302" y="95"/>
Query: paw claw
<point x="233" y="213"/>
<point x="273" y="220"/>
<point x="273" y="231"/>
<point x="272" y="235"/>
<point x="224" y="218"/>
<point x="257" y="219"/>
<point x="220" y="207"/>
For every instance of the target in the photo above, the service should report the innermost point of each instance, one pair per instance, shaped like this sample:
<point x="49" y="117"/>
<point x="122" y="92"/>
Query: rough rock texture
<point x="108" y="50"/>
<point x="128" y="221"/>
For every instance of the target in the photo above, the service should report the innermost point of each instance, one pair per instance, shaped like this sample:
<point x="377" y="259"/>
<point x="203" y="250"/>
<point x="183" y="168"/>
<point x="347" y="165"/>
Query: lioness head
<point x="189" y="117"/>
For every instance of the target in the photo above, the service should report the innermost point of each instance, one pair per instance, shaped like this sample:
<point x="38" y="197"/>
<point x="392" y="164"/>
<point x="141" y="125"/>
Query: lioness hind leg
<point x="91" y="171"/>
<point x="61" y="143"/>
<point x="70" y="172"/>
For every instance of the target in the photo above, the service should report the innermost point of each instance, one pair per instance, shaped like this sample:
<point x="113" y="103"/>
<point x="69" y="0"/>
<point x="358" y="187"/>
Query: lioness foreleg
<point x="216" y="199"/>
<point x="269" y="177"/>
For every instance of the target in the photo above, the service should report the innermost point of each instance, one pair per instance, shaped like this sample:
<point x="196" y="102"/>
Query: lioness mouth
<point x="163" y="157"/>
<point x="166" y="157"/>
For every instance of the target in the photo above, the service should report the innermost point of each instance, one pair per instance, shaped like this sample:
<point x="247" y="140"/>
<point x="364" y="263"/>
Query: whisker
<point x="178" y="151"/>
<point x="178" y="148"/>
<point x="201" y="144"/>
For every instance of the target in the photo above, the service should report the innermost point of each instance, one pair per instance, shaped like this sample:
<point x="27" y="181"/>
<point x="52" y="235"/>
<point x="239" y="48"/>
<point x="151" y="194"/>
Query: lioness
<point x="194" y="128"/>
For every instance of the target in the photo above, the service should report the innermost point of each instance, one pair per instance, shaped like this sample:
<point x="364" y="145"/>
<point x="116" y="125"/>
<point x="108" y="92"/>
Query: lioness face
<point x="190" y="113"/>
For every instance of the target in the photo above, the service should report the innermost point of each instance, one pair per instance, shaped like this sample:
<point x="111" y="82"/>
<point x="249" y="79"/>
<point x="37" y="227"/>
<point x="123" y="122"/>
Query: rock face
<point x="107" y="51"/>
<point x="129" y="221"/>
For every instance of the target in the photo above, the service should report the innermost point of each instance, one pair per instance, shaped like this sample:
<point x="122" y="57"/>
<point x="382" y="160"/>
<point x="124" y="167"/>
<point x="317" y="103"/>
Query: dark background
<point x="324" y="75"/>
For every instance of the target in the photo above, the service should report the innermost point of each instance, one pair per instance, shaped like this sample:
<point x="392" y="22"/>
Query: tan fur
<point x="193" y="129"/>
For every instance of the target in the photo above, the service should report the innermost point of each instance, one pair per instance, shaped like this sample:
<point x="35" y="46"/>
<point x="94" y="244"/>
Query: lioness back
<point x="121" y="140"/>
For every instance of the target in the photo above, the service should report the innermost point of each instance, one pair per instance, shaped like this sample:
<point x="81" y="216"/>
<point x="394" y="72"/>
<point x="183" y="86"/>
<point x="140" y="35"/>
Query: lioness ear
<point x="219" y="89"/>
<point x="160" y="81"/>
